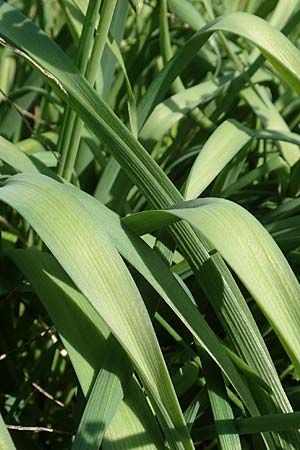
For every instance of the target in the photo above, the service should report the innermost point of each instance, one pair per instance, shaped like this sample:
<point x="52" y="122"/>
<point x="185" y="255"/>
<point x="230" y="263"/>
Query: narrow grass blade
<point x="74" y="12"/>
<point x="286" y="232"/>
<point x="272" y="164"/>
<point x="131" y="99"/>
<point x="278" y="422"/>
<point x="133" y="433"/>
<point x="72" y="127"/>
<point x="137" y="5"/>
<point x="227" y="434"/>
<point x="253" y="425"/>
<point x="104" y="399"/>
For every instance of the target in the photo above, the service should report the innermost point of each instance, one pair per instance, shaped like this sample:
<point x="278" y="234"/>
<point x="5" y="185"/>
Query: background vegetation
<point x="150" y="224"/>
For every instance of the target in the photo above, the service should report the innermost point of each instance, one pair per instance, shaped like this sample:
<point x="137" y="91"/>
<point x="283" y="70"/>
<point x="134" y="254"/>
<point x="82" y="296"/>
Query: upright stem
<point x="166" y="50"/>
<point x="84" y="51"/>
<point x="90" y="68"/>
<point x="107" y="12"/>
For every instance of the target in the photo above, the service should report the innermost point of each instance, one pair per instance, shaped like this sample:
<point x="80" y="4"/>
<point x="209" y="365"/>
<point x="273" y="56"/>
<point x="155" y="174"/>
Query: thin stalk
<point x="167" y="53"/>
<point x="107" y="12"/>
<point x="165" y="42"/>
<point x="84" y="51"/>
<point x="90" y="74"/>
<point x="227" y="435"/>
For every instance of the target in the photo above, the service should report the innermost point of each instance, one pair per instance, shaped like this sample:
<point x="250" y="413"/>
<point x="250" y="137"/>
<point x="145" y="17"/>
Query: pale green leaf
<point x="133" y="433"/>
<point x="169" y="112"/>
<point x="271" y="119"/>
<point x="187" y="12"/>
<point x="229" y="138"/>
<point x="250" y="251"/>
<point x="6" y="442"/>
<point x="86" y="340"/>
<point x="227" y="434"/>
<point x="87" y="255"/>
<point x="21" y="162"/>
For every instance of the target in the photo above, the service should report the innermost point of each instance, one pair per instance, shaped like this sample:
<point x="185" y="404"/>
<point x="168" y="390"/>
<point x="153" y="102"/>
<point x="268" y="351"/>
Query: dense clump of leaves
<point x="150" y="229"/>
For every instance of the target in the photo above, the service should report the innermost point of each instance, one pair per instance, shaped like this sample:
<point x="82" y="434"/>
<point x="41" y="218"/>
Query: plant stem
<point x="166" y="50"/>
<point x="84" y="50"/>
<point x="90" y="69"/>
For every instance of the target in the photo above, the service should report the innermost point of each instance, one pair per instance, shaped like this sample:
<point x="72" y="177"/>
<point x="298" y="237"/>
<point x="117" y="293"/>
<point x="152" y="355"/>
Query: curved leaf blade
<point x="225" y="142"/>
<point x="86" y="339"/>
<point x="250" y="251"/>
<point x="91" y="261"/>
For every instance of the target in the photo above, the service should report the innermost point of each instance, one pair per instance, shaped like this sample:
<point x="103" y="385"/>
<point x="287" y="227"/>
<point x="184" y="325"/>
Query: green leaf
<point x="253" y="425"/>
<point x="228" y="139"/>
<point x="74" y="11"/>
<point x="137" y="5"/>
<point x="227" y="434"/>
<point x="271" y="164"/>
<point x="89" y="258"/>
<point x="99" y="118"/>
<point x="133" y="433"/>
<point x="250" y="251"/>
<point x="89" y="345"/>
<point x="15" y="158"/>
<point x="104" y="399"/>
<point x="6" y="441"/>
<point x="187" y="12"/>
<point x="271" y="119"/>
<point x="169" y="112"/>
